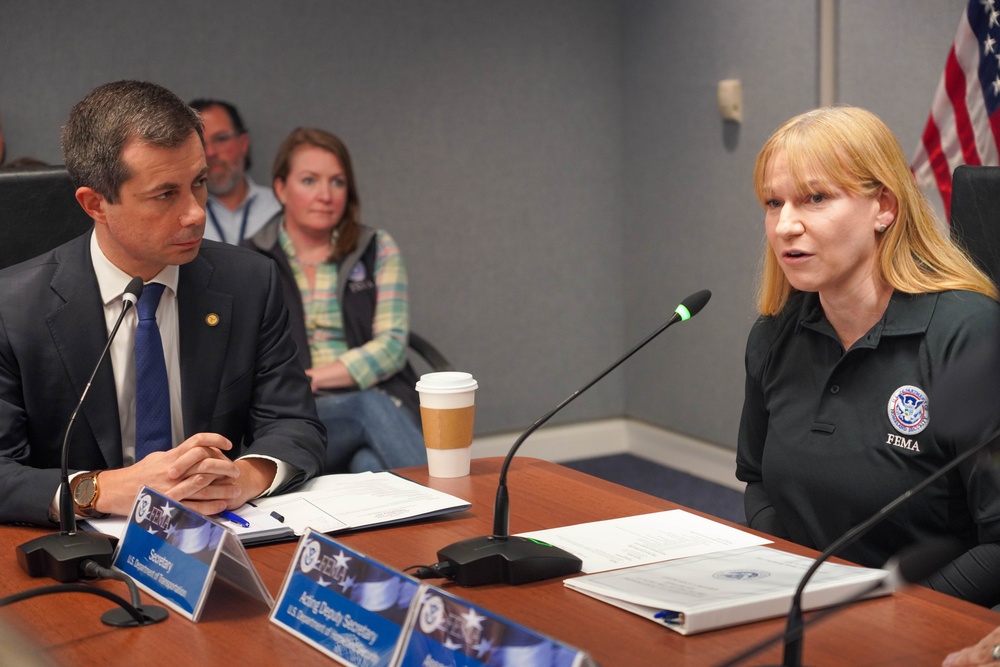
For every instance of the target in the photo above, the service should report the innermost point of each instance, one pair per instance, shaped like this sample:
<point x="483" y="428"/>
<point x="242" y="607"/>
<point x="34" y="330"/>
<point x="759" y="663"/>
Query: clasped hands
<point x="196" y="473"/>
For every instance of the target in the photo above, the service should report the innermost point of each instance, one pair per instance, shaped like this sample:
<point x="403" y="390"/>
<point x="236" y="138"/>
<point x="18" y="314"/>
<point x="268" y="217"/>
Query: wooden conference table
<point x="914" y="626"/>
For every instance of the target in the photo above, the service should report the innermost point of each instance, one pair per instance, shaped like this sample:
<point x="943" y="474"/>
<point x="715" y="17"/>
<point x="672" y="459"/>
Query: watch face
<point x="84" y="494"/>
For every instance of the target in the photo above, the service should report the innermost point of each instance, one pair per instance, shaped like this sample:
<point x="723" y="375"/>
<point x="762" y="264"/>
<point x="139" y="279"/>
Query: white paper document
<point x="328" y="504"/>
<point x="646" y="538"/>
<point x="263" y="528"/>
<point x="718" y="590"/>
<point x="333" y="503"/>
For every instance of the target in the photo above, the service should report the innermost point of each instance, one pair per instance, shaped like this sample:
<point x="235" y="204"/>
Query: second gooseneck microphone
<point x="516" y="560"/>
<point x="964" y="397"/>
<point x="59" y="556"/>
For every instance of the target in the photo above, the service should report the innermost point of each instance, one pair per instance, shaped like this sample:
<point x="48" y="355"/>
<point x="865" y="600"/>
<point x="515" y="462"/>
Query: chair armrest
<point x="429" y="353"/>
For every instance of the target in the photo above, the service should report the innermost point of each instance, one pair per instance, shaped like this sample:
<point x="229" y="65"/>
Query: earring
<point x="882" y="228"/>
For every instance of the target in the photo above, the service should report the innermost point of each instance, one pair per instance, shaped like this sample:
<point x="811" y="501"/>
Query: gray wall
<point x="692" y="217"/>
<point x="556" y="172"/>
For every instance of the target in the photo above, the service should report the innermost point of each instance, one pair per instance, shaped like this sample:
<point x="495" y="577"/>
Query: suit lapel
<point x="79" y="334"/>
<point x="205" y="320"/>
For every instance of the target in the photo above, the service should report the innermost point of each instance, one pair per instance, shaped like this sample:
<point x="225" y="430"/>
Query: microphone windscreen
<point x="694" y="303"/>
<point x="921" y="560"/>
<point x="133" y="291"/>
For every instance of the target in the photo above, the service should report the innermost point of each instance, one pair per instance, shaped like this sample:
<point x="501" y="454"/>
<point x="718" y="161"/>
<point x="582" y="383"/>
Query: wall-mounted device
<point x="731" y="100"/>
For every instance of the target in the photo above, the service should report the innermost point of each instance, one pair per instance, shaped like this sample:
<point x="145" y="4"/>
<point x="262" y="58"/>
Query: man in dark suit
<point x="242" y="418"/>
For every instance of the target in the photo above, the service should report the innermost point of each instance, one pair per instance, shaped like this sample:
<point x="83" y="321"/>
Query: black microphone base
<point x="119" y="618"/>
<point x="58" y="556"/>
<point x="508" y="560"/>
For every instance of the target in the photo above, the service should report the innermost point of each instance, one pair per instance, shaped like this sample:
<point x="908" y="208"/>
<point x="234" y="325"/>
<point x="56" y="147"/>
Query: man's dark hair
<point x="235" y="118"/>
<point x="105" y="121"/>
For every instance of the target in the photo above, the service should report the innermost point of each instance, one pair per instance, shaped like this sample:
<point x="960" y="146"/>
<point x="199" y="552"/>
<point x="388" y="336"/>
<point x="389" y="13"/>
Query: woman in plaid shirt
<point x="346" y="290"/>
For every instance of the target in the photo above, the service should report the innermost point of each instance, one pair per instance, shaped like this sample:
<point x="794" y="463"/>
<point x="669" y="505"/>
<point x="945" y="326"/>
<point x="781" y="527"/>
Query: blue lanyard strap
<point x="218" y="227"/>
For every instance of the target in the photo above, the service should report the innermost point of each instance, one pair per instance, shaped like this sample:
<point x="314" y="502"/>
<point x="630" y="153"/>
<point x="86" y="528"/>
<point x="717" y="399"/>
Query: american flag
<point x="964" y="124"/>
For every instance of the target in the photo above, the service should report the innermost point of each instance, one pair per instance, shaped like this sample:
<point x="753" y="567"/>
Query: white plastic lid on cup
<point x="447" y="389"/>
<point x="447" y="382"/>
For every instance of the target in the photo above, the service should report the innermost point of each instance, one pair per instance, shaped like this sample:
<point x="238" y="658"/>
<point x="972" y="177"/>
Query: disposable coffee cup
<point x="447" y="412"/>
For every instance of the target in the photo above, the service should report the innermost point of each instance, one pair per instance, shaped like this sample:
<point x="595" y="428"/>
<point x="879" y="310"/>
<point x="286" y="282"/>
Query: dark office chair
<point x="430" y="354"/>
<point x="975" y="215"/>
<point x="39" y="211"/>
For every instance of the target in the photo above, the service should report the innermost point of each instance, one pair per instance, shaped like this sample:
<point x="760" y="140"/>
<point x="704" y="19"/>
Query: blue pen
<point x="235" y="518"/>
<point x="672" y="617"/>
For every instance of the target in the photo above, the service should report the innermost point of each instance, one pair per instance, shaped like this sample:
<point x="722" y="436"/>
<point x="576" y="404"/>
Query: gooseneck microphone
<point x="793" y="630"/>
<point x="910" y="566"/>
<point x="517" y="560"/>
<point x="59" y="556"/>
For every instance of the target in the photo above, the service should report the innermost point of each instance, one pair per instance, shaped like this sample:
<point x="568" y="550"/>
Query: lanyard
<point x="218" y="227"/>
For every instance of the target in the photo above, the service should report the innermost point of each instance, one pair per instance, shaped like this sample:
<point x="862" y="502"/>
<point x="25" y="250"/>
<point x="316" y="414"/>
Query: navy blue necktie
<point x="152" y="393"/>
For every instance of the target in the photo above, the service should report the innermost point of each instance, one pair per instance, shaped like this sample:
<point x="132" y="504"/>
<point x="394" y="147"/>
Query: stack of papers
<point x="700" y="593"/>
<point x="693" y="574"/>
<point x="328" y="504"/>
<point x="335" y="503"/>
<point x="645" y="538"/>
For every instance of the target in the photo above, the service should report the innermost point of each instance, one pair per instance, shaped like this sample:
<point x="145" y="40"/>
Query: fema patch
<point x="908" y="410"/>
<point x="741" y="575"/>
<point x="310" y="556"/>
<point x="433" y="615"/>
<point x="143" y="507"/>
<point x="358" y="273"/>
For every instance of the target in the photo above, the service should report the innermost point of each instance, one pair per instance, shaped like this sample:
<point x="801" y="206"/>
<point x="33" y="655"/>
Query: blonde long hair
<point x="856" y="151"/>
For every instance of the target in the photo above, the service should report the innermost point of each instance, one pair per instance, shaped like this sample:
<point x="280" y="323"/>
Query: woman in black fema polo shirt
<point x="864" y="301"/>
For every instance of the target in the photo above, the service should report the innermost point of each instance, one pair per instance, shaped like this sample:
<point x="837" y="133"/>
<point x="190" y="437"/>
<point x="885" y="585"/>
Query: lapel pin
<point x="211" y="319"/>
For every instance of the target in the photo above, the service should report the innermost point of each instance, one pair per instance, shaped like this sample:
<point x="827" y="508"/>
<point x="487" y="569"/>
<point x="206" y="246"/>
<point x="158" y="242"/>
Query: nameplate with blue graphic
<point x="449" y="632"/>
<point x="175" y="554"/>
<point x="348" y="606"/>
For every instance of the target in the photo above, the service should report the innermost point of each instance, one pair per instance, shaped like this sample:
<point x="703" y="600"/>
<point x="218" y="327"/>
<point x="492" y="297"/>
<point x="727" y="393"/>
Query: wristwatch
<point x="86" y="489"/>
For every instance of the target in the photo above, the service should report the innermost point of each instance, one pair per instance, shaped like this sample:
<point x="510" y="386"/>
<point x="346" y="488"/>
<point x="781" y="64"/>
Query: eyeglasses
<point x="217" y="140"/>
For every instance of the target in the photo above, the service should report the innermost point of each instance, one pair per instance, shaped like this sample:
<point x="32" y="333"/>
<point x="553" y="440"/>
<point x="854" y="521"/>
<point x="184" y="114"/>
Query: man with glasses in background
<point x="237" y="207"/>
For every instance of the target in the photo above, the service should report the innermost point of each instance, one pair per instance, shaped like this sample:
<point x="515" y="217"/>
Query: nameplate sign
<point x="449" y="632"/>
<point x="348" y="606"/>
<point x="175" y="554"/>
